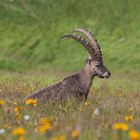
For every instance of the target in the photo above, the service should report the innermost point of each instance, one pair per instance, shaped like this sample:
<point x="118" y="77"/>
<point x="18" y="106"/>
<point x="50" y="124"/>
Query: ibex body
<point x="77" y="85"/>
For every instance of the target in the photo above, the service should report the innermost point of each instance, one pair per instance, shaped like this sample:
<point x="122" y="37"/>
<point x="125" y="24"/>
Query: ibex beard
<point x="77" y="85"/>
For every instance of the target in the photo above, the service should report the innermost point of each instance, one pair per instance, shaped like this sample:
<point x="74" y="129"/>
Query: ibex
<point x="79" y="84"/>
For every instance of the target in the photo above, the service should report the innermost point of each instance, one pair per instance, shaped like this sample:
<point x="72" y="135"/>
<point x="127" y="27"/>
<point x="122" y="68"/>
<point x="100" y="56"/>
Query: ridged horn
<point x="93" y="41"/>
<point x="85" y="43"/>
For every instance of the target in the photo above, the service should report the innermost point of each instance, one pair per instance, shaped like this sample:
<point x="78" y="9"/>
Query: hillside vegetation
<point x="30" y="32"/>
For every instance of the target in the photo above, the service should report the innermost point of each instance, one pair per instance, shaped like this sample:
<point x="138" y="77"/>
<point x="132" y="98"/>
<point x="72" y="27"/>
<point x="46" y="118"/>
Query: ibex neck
<point x="86" y="78"/>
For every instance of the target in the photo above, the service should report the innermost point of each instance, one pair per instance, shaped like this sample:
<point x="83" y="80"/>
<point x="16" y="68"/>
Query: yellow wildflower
<point x="86" y="103"/>
<point x="19" y="131"/>
<point x="81" y="109"/>
<point x="2" y="102"/>
<point x="44" y="128"/>
<point x="134" y="135"/>
<point x="45" y="125"/>
<point x="18" y="116"/>
<point x="19" y="108"/>
<point x="31" y="102"/>
<point x="129" y="118"/>
<point x="44" y="120"/>
<point x="120" y="126"/>
<point x="15" y="103"/>
<point x="75" y="134"/>
<point x="62" y="137"/>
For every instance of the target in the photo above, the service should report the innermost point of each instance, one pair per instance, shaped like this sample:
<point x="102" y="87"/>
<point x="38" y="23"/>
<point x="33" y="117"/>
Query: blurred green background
<point x="30" y="32"/>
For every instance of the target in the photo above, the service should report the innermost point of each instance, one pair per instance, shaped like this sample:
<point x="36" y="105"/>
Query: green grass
<point x="30" y="33"/>
<point x="116" y="98"/>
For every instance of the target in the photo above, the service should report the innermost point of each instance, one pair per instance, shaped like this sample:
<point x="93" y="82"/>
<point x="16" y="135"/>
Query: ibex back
<point x="77" y="85"/>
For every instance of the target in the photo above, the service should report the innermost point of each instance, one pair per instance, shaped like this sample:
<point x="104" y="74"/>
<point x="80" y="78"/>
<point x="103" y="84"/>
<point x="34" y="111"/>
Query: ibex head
<point x="98" y="68"/>
<point x="95" y="61"/>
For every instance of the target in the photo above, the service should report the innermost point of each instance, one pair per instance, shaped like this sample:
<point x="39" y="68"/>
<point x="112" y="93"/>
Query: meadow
<point x="110" y="102"/>
<point x="32" y="57"/>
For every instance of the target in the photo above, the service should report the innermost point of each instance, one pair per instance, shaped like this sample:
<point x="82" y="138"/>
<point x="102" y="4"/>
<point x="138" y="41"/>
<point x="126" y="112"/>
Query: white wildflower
<point x="2" y="131"/>
<point x="26" y="117"/>
<point x="97" y="111"/>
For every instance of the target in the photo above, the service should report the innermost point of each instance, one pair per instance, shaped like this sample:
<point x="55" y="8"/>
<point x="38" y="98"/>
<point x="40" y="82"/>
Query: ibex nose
<point x="106" y="74"/>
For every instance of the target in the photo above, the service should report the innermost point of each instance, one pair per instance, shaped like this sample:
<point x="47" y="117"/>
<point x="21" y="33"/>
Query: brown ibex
<point x="77" y="85"/>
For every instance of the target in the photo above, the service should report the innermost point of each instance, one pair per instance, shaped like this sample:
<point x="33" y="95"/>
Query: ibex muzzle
<point x="79" y="84"/>
<point x="102" y="71"/>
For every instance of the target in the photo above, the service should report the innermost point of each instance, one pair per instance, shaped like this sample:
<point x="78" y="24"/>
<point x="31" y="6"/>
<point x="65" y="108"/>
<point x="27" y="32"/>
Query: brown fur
<point x="78" y="85"/>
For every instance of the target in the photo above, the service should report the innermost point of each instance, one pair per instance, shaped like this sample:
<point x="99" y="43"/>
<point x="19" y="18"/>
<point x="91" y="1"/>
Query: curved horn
<point x="93" y="41"/>
<point x="81" y="40"/>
